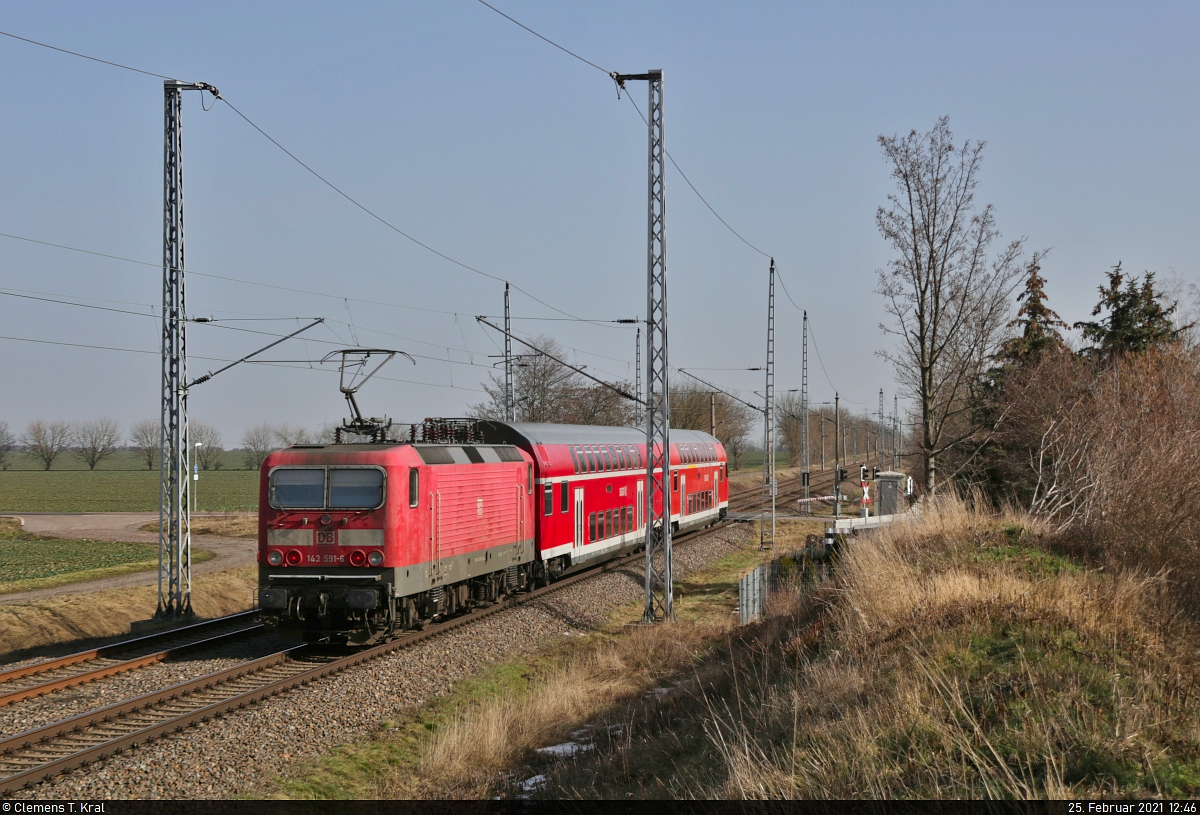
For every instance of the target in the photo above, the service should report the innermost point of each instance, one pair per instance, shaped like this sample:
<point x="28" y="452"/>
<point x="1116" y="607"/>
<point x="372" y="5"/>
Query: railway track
<point x="40" y="678"/>
<point x="789" y="490"/>
<point x="40" y="754"/>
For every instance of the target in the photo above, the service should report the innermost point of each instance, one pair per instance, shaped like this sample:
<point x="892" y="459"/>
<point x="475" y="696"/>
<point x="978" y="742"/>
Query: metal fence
<point x="752" y="595"/>
<point x="791" y="570"/>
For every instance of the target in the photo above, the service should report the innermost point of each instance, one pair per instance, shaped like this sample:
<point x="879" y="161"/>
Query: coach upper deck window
<point x="608" y="464"/>
<point x="298" y="488"/>
<point x="359" y="488"/>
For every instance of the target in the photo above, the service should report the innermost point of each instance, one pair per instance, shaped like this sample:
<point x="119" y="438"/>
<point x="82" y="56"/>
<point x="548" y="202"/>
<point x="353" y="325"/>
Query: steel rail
<point x="77" y="672"/>
<point x="123" y="666"/>
<point x="40" y="741"/>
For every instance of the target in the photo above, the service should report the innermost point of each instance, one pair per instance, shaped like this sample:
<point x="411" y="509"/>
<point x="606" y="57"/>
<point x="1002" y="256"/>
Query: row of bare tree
<point x="93" y="441"/>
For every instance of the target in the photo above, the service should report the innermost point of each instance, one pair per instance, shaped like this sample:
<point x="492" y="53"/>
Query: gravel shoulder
<point x="228" y="553"/>
<point x="241" y="753"/>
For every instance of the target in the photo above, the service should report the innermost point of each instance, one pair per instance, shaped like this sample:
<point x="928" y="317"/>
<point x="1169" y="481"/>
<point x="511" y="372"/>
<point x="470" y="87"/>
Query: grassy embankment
<point x="82" y="619"/>
<point x="957" y="656"/>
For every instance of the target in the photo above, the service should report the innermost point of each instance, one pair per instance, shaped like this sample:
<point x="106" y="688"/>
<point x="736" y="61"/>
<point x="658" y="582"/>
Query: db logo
<point x="326" y="538"/>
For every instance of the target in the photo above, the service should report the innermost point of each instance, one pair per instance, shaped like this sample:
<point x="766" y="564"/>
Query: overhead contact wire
<point x="322" y="178"/>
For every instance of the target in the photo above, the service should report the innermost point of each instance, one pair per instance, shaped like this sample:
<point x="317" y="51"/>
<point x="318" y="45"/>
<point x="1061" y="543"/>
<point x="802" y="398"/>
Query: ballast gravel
<point x="239" y="753"/>
<point x="43" y="710"/>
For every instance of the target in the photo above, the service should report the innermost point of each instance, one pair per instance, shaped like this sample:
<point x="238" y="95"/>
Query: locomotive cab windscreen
<point x="326" y="488"/>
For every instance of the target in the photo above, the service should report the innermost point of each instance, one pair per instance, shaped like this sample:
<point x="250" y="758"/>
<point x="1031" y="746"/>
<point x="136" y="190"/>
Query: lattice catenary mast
<point x="879" y="434"/>
<point x="766" y="525"/>
<point x="896" y="433"/>
<point x="637" y="367"/>
<point x="174" y="514"/>
<point x="806" y="472"/>
<point x="659" y="605"/>
<point x="509" y="396"/>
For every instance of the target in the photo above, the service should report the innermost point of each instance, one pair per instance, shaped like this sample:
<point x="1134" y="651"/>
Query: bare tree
<point x="588" y="403"/>
<point x="692" y="408"/>
<point x="951" y="303"/>
<point x="210" y="452"/>
<point x="546" y="391"/>
<point x="95" y="440"/>
<point x="286" y="435"/>
<point x="7" y="443"/>
<point x="145" y="437"/>
<point x="47" y="440"/>
<point x="257" y="442"/>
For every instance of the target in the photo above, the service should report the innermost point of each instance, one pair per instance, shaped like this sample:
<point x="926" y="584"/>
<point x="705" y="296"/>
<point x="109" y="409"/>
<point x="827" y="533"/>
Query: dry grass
<point x="952" y="657"/>
<point x="225" y="525"/>
<point x="468" y="756"/>
<point x="85" y="616"/>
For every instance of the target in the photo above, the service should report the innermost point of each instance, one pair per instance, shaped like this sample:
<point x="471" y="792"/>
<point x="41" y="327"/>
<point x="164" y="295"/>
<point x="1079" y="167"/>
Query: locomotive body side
<point x="357" y="541"/>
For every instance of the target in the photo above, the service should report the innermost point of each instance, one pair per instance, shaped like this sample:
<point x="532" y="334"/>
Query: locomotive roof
<point x="528" y="433"/>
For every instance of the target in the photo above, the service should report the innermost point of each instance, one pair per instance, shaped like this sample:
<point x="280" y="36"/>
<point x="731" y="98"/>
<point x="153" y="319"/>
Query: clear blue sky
<point x="507" y="154"/>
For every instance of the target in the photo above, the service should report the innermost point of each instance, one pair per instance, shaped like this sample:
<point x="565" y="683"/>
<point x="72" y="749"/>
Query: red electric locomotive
<point x="361" y="541"/>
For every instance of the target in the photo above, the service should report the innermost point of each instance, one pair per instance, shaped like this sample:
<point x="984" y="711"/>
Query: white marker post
<point x="196" y="477"/>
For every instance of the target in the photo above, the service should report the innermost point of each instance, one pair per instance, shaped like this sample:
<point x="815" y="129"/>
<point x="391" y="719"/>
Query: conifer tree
<point x="1039" y="323"/>
<point x="1137" y="318"/>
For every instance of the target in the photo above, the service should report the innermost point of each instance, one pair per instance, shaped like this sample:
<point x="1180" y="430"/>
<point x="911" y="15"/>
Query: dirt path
<point x="228" y="553"/>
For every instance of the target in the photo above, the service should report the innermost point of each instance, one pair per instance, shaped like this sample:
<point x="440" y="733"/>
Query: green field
<point x="27" y="561"/>
<point x="119" y="490"/>
<point x="33" y="562"/>
<point x="120" y="460"/>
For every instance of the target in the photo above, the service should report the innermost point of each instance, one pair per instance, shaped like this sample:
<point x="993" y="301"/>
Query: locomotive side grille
<point x="477" y="509"/>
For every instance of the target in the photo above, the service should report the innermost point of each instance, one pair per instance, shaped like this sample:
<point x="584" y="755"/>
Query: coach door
<point x="641" y="503"/>
<point x="579" y="520"/>
<point x="683" y="507"/>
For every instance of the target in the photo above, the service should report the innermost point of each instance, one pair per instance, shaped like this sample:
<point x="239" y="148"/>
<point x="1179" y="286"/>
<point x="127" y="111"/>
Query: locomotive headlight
<point x="275" y="557"/>
<point x="375" y="557"/>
